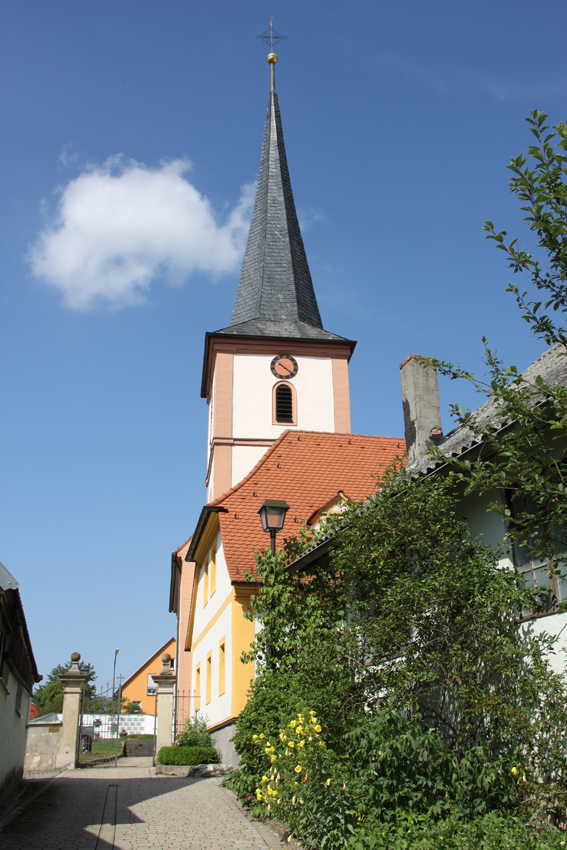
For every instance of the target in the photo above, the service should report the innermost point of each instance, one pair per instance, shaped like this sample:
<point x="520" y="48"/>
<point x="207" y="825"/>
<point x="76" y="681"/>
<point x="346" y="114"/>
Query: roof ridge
<point x="147" y="661"/>
<point x="276" y="444"/>
<point x="253" y="470"/>
<point x="178" y="550"/>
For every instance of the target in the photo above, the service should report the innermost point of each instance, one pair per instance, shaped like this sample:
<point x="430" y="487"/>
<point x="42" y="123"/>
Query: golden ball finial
<point x="271" y="58"/>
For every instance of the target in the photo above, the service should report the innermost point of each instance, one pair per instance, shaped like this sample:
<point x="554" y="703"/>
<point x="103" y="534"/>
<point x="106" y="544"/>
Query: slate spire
<point x="275" y="295"/>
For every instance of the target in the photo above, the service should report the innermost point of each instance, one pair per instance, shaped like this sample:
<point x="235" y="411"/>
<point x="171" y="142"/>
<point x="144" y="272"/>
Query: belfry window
<point x="284" y="404"/>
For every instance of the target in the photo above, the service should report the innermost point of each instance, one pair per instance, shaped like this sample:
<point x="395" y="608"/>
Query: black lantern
<point x="272" y="513"/>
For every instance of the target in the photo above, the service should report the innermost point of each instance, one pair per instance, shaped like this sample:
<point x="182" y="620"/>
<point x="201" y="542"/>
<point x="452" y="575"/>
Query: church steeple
<point x="275" y="295"/>
<point x="274" y="367"/>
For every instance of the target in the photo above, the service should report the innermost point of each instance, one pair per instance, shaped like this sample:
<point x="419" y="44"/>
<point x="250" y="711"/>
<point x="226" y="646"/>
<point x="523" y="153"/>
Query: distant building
<point x="139" y="688"/>
<point x="18" y="674"/>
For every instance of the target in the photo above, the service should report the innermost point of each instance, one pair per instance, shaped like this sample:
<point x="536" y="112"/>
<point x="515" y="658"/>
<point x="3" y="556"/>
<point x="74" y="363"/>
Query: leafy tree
<point x="49" y="696"/>
<point x="129" y="707"/>
<point x="408" y="613"/>
<point x="526" y="460"/>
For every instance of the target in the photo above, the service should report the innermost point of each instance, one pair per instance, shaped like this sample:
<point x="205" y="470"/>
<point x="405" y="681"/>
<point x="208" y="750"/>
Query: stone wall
<point x="44" y="739"/>
<point x="223" y="745"/>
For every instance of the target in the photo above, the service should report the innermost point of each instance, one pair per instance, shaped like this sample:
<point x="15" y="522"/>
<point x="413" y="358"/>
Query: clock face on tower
<point x="284" y="366"/>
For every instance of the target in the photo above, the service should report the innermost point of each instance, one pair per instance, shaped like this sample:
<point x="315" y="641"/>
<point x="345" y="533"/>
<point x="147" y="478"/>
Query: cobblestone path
<point x="130" y="808"/>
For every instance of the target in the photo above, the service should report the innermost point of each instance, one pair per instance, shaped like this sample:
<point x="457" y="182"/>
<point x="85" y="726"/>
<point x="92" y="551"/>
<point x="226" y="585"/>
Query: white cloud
<point x="119" y="226"/>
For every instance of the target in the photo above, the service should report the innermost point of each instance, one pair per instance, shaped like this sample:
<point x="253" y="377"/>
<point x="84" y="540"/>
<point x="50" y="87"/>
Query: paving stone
<point x="129" y="808"/>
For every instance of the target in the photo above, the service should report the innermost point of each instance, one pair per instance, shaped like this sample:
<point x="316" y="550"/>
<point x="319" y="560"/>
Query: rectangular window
<point x="206" y="582"/>
<point x="151" y="688"/>
<point x="213" y="569"/>
<point x="209" y="676"/>
<point x="197" y="687"/>
<point x="535" y="572"/>
<point x="222" y="660"/>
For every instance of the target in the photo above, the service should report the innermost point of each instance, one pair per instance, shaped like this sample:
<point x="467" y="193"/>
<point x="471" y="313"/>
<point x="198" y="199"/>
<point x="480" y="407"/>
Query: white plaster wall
<point x="13" y="734"/>
<point x="556" y="626"/>
<point x="488" y="526"/>
<point x="220" y="707"/>
<point x="252" y="395"/>
<point x="203" y="616"/>
<point x="244" y="459"/>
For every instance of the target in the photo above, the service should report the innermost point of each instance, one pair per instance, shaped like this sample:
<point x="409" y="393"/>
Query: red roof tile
<point x="307" y="469"/>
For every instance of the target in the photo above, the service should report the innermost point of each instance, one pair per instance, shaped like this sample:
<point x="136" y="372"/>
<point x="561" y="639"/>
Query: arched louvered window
<point x="284" y="411"/>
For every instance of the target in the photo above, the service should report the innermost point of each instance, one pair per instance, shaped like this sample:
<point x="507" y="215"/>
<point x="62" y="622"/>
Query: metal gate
<point x="186" y="707"/>
<point x="98" y="741"/>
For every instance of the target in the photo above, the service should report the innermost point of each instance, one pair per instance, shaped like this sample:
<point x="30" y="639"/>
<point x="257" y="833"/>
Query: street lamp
<point x="118" y="707"/>
<point x="114" y="678"/>
<point x="272" y="513"/>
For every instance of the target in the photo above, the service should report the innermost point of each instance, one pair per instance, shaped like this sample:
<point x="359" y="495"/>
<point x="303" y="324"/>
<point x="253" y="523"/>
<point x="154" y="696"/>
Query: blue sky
<point x="399" y="121"/>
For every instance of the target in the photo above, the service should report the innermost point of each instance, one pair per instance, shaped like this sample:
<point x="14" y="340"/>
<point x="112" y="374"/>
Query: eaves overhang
<point x="201" y="525"/>
<point x="175" y="568"/>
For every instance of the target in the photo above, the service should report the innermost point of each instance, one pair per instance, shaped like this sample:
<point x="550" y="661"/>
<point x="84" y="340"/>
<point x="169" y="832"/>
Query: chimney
<point x="420" y="397"/>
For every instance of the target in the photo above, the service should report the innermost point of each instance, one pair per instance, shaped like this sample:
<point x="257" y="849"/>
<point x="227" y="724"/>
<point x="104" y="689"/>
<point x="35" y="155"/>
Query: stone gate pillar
<point x="73" y="682"/>
<point x="165" y="682"/>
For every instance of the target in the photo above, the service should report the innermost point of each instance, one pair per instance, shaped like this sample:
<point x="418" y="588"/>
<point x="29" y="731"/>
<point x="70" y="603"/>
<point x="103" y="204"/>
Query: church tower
<point x="274" y="367"/>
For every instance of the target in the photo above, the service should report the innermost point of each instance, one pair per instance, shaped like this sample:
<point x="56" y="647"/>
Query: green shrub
<point x="195" y="733"/>
<point x="271" y="703"/>
<point x="398" y="763"/>
<point x="409" y="831"/>
<point x="187" y="755"/>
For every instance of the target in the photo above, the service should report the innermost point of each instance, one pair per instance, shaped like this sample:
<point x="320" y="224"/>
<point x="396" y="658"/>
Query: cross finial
<point x="271" y="36"/>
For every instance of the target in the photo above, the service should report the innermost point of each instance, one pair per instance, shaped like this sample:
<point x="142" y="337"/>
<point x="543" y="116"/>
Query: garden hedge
<point x="188" y="755"/>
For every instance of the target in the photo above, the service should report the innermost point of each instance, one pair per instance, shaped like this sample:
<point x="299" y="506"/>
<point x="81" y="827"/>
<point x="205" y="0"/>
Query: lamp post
<point x="116" y="651"/>
<point x="272" y="513"/>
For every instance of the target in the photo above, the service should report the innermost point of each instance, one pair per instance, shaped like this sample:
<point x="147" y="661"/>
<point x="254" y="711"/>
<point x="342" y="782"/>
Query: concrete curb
<point x="193" y="770"/>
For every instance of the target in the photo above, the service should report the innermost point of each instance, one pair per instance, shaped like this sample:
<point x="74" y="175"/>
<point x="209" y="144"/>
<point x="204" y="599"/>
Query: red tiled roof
<point x="182" y="550"/>
<point x="307" y="469"/>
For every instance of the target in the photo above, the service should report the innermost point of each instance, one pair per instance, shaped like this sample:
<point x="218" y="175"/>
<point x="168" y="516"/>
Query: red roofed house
<point x="277" y="387"/>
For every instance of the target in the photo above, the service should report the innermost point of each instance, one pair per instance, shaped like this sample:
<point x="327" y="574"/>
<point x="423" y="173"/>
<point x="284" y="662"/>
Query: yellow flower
<point x="317" y="728"/>
<point x="264" y="778"/>
<point x="514" y="770"/>
<point x="291" y="744"/>
<point x="302" y="743"/>
<point x="261" y="734"/>
<point x="298" y="768"/>
<point x="254" y="737"/>
<point x="273" y="759"/>
<point x="293" y="724"/>
<point x="299" y="730"/>
<point x="258" y="794"/>
<point x="328" y="782"/>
